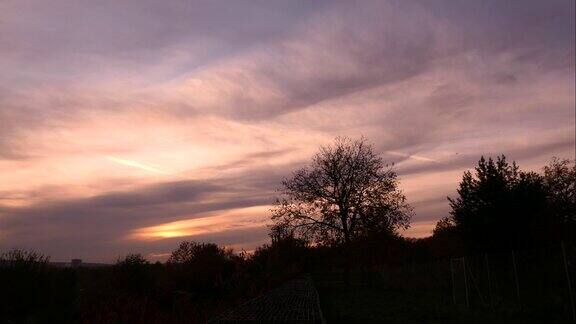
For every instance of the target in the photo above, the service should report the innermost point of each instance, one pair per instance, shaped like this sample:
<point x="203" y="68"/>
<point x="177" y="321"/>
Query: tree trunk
<point x="348" y="261"/>
<point x="347" y="251"/>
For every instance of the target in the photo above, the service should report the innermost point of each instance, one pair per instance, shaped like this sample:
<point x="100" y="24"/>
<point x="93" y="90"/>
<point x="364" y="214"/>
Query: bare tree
<point x="347" y="192"/>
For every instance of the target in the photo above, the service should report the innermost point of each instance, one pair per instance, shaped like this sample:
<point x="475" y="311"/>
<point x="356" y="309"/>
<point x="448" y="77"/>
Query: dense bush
<point x="33" y="292"/>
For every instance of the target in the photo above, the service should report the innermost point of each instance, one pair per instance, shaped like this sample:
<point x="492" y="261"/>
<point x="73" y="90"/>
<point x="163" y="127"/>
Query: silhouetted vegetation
<point x="348" y="194"/>
<point x="500" y="207"/>
<point x="347" y="200"/>
<point x="31" y="291"/>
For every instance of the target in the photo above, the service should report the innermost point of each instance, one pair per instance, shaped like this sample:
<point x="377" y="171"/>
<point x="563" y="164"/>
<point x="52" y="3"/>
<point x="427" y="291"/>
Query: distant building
<point x="75" y="263"/>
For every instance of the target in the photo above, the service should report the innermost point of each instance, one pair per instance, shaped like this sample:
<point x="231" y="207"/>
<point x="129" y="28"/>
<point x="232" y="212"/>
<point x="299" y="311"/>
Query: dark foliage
<point x="287" y="256"/>
<point x="203" y="268"/>
<point x="500" y="207"/>
<point x="133" y="274"/>
<point x="33" y="292"/>
<point x="560" y="184"/>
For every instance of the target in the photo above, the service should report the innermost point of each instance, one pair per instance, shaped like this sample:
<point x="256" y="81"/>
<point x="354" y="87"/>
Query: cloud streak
<point x="136" y="165"/>
<point x="412" y="156"/>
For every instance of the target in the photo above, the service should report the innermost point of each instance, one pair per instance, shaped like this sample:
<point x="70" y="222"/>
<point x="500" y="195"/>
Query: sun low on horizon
<point x="132" y="126"/>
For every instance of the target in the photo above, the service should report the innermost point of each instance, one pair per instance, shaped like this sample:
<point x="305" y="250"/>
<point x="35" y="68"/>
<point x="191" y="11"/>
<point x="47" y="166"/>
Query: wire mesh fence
<point x="533" y="281"/>
<point x="538" y="281"/>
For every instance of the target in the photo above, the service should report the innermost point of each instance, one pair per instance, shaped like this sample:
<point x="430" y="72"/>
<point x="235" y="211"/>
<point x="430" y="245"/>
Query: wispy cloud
<point x="412" y="156"/>
<point x="137" y="165"/>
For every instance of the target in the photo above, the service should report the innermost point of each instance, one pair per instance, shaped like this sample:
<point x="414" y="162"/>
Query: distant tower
<point x="76" y="263"/>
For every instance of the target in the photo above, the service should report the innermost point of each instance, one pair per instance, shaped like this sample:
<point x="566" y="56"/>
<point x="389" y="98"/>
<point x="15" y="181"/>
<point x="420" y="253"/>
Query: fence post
<point x="489" y="281"/>
<point x="465" y="282"/>
<point x="516" y="279"/>
<point x="453" y="283"/>
<point x="569" y="283"/>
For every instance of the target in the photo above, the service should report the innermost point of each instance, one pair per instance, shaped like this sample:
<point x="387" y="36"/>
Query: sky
<point x="129" y="126"/>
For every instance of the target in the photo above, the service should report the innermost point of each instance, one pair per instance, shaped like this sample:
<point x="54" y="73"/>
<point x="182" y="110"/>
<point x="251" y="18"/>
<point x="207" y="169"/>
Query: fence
<point x="537" y="281"/>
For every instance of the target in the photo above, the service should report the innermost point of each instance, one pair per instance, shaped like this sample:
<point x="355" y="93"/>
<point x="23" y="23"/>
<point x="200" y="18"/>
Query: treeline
<point x="198" y="281"/>
<point x="498" y="207"/>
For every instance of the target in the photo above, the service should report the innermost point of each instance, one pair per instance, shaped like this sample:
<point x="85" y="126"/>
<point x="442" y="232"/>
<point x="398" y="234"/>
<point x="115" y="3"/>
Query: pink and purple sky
<point x="128" y="126"/>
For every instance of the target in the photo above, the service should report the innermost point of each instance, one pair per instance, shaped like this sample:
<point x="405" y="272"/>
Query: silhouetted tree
<point x="499" y="206"/>
<point x="286" y="256"/>
<point x="347" y="192"/>
<point x="445" y="226"/>
<point x="203" y="266"/>
<point x="560" y="183"/>
<point x="446" y="240"/>
<point x="133" y="274"/>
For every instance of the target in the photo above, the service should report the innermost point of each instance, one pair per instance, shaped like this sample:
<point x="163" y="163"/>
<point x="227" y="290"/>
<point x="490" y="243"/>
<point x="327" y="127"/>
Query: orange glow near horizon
<point x="242" y="218"/>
